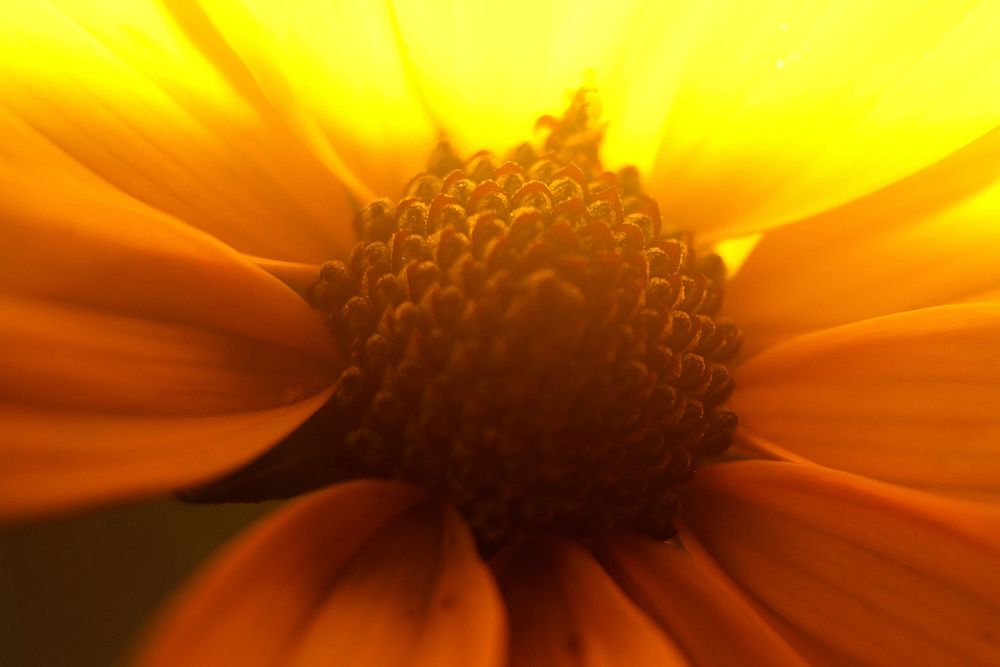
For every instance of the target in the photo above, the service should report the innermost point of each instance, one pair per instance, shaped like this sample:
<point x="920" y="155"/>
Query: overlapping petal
<point x="928" y="240"/>
<point x="365" y="573"/>
<point x="693" y="606"/>
<point x="743" y="116"/>
<point x="854" y="571"/>
<point x="334" y="73"/>
<point x="909" y="398"/>
<point x="770" y="112"/>
<point x="565" y="611"/>
<point x="119" y="89"/>
<point x="138" y="354"/>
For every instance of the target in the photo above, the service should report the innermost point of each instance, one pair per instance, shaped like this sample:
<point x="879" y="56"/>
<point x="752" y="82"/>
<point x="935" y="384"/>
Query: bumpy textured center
<point x="527" y="340"/>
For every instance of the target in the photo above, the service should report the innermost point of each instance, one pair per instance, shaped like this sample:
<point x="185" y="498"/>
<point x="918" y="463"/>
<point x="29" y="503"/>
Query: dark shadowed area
<point x="74" y="592"/>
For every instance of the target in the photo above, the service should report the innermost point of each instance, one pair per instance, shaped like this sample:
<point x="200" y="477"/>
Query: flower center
<point x="528" y="341"/>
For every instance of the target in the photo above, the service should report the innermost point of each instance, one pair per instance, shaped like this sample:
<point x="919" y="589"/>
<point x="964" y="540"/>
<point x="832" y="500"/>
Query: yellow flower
<point x="168" y="171"/>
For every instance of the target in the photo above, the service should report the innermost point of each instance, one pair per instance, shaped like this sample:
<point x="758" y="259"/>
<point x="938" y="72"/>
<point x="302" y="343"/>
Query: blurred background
<point x="76" y="591"/>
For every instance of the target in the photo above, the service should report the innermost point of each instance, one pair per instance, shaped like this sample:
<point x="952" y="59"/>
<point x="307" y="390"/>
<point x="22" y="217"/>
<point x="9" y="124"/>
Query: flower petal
<point x="712" y="624"/>
<point x="126" y="333"/>
<point x="333" y="71"/>
<point x="859" y="572"/>
<point x="116" y="87"/>
<point x="908" y="398"/>
<point x="928" y="240"/>
<point x="53" y="459"/>
<point x="73" y="241"/>
<point x="438" y="605"/>
<point x="566" y="611"/>
<point x="766" y="113"/>
<point x="364" y="573"/>
<point x="504" y="65"/>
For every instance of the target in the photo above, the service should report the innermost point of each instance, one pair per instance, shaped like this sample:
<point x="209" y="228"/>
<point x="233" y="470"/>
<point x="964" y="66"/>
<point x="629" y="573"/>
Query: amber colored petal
<point x="909" y="398"/>
<point x="137" y="353"/>
<point x="364" y="573"/>
<point x="119" y="90"/>
<point x="300" y="277"/>
<point x="857" y="571"/>
<point x="712" y="624"/>
<point x="53" y="459"/>
<point x="565" y="611"/>
<point x="928" y="240"/>
<point x="416" y="595"/>
<point x="73" y="241"/>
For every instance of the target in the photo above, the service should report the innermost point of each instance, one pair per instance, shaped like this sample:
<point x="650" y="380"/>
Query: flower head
<point x="502" y="392"/>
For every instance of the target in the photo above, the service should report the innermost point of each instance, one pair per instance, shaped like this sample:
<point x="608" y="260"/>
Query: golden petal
<point x="909" y="398"/>
<point x="118" y="89"/>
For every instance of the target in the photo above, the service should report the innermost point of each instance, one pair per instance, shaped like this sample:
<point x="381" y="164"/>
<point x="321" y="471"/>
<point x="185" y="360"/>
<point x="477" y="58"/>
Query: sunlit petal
<point x="928" y="240"/>
<point x="505" y="64"/>
<point x="125" y="334"/>
<point x="744" y="116"/>
<point x="118" y="88"/>
<point x="335" y="73"/>
<point x="769" y="112"/>
<point x="565" y="611"/>
<point x="856" y="571"/>
<point x="909" y="398"/>
<point x="694" y="607"/>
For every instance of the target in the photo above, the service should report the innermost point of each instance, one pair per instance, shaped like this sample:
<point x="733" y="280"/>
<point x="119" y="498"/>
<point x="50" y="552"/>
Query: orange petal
<point x="84" y="359"/>
<point x="118" y="89"/>
<point x="857" y="571"/>
<point x="126" y="332"/>
<point x="416" y="595"/>
<point x="53" y="459"/>
<point x="566" y="611"/>
<point x="93" y="247"/>
<point x="909" y="398"/>
<point x="928" y="240"/>
<point x="351" y="575"/>
<point x="712" y="624"/>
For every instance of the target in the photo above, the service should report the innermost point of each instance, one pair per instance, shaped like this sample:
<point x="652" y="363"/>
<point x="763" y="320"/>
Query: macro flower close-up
<point x="547" y="333"/>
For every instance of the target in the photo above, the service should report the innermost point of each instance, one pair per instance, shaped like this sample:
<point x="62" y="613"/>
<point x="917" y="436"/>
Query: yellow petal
<point x="118" y="89"/>
<point x="765" y="113"/>
<point x="909" y="398"/>
<point x="566" y="612"/>
<point x="504" y="65"/>
<point x="138" y="354"/>
<point x="928" y="240"/>
<point x="335" y="73"/>
<point x="744" y="117"/>
<point x="856" y="571"/>
<point x="348" y="576"/>
<point x="713" y="625"/>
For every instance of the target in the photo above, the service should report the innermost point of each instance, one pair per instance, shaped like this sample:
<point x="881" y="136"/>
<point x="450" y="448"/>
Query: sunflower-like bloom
<point x="172" y="176"/>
